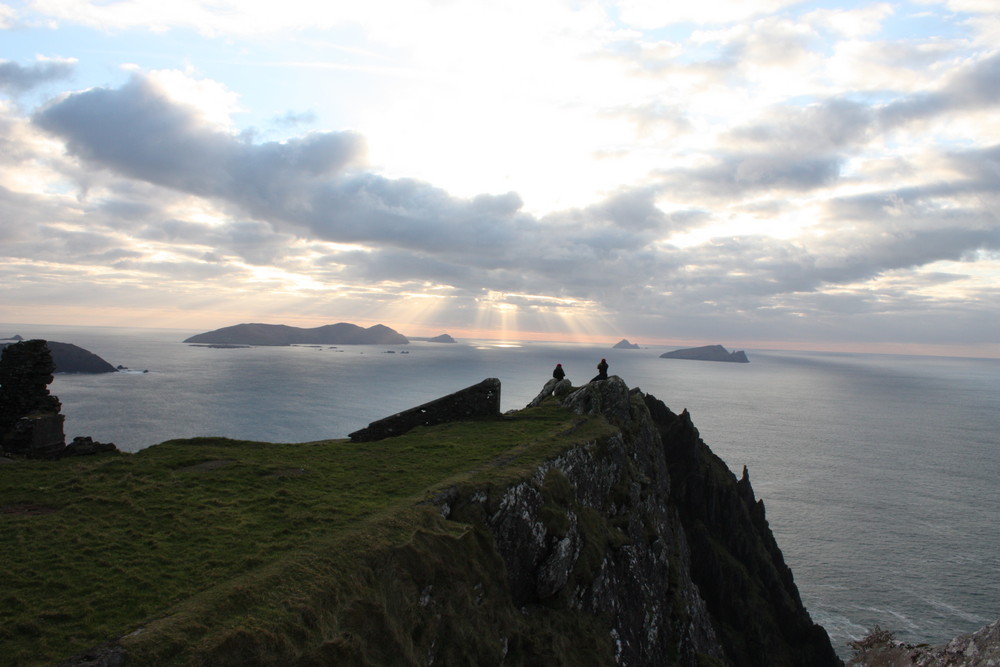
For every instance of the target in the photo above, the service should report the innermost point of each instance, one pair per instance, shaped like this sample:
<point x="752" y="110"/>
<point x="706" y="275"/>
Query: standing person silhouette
<point x="558" y="372"/>
<point x="602" y="371"/>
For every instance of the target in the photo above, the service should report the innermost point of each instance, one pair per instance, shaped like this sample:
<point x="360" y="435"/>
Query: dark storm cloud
<point x="16" y="79"/>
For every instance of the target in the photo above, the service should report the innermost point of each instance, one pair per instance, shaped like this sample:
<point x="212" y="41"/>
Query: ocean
<point x="878" y="472"/>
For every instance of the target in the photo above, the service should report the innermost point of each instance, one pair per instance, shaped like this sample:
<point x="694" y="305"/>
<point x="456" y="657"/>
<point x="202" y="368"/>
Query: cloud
<point x="741" y="174"/>
<point x="981" y="166"/>
<point x="650" y="14"/>
<point x="316" y="187"/>
<point x="852" y="23"/>
<point x="975" y="86"/>
<point x="762" y="185"/>
<point x="823" y="127"/>
<point x="294" y="119"/>
<point x="138" y="132"/>
<point x="16" y="79"/>
<point x="7" y="13"/>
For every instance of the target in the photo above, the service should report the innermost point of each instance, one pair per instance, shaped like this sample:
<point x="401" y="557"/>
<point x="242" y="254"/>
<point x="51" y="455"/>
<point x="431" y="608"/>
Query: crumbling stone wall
<point x="479" y="400"/>
<point x="30" y="422"/>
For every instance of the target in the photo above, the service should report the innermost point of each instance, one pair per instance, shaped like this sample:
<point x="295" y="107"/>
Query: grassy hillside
<point x="190" y="536"/>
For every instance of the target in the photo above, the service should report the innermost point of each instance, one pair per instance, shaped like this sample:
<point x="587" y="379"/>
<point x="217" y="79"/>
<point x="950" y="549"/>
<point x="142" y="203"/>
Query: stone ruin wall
<point x="30" y="419"/>
<point x="478" y="401"/>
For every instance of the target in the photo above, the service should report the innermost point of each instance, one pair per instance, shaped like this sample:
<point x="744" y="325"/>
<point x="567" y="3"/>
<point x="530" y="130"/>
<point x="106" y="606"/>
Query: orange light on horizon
<point x="195" y="321"/>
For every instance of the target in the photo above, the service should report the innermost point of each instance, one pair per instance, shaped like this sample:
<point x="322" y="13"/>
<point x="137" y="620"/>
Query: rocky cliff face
<point x="736" y="563"/>
<point x="652" y="533"/>
<point x="637" y="549"/>
<point x="592" y="534"/>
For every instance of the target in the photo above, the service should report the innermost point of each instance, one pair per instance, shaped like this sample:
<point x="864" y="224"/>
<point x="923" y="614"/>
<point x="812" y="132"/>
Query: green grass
<point x="191" y="531"/>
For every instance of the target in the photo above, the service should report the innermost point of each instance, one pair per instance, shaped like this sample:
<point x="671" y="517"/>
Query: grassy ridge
<point x="95" y="547"/>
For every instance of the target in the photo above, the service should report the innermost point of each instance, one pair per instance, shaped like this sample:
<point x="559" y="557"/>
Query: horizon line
<point x="948" y="350"/>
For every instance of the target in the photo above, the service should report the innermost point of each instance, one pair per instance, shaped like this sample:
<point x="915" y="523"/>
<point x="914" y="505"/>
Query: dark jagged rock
<point x="86" y="446"/>
<point x="623" y="344"/>
<point x="478" y="401"/>
<point x="30" y="422"/>
<point x="707" y="353"/>
<point x="736" y="562"/>
<point x="648" y="534"/>
<point x="554" y="387"/>
<point x="976" y="649"/>
<point x="591" y="545"/>
<point x="342" y="333"/>
<point x="609" y="398"/>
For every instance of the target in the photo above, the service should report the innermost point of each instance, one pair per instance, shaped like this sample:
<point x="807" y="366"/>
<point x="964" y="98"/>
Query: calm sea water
<point x="879" y="473"/>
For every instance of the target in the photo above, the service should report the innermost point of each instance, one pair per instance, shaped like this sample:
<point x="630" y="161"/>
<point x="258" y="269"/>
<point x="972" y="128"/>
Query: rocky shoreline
<point x="975" y="649"/>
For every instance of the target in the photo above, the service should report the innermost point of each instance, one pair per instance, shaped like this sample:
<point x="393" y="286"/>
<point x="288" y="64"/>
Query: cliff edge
<point x="618" y="539"/>
<point x="647" y="536"/>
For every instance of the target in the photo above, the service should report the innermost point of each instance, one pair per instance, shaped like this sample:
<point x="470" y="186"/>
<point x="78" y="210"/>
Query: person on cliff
<point x="602" y="371"/>
<point x="558" y="373"/>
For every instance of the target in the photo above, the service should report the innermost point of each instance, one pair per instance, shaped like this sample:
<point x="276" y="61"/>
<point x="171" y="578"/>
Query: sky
<point x="761" y="174"/>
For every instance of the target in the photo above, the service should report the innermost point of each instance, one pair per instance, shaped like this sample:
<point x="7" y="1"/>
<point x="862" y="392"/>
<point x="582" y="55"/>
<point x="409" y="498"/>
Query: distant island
<point x="69" y="358"/>
<point x="707" y="353"/>
<point x="342" y="333"/>
<point x="623" y="344"/>
<point x="443" y="338"/>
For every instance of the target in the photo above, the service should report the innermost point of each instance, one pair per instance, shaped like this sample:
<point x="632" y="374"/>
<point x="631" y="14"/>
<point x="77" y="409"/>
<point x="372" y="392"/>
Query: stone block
<point x="478" y="401"/>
